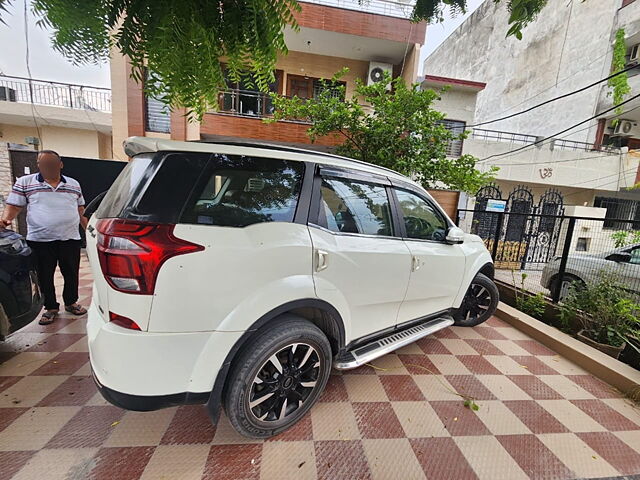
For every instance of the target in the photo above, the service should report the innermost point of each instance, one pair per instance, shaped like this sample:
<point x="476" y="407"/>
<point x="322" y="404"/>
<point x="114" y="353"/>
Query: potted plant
<point x="608" y="314"/>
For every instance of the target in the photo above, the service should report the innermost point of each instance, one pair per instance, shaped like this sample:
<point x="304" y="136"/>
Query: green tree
<point x="182" y="42"/>
<point x="398" y="128"/>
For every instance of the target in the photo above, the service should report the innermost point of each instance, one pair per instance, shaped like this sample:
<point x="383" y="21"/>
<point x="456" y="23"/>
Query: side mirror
<point x="620" y="257"/>
<point x="455" y="236"/>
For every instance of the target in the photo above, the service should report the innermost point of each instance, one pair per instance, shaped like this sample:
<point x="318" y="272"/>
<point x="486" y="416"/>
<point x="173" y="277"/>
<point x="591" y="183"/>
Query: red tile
<point x="59" y="323"/>
<point x="363" y="370"/>
<point x="622" y="457"/>
<point x="65" y="363"/>
<point x="8" y="415"/>
<point x="478" y="364"/>
<point x="231" y="462"/>
<point x="495" y="322"/>
<point x="484" y="347"/>
<point x="594" y="386"/>
<point x="470" y="386"/>
<point x="534" y="387"/>
<point x="121" y="463"/>
<point x="12" y="462"/>
<point x="341" y="459"/>
<point x="433" y="346"/>
<point x="419" y="364"/>
<point x="90" y="427"/>
<point x="605" y="415"/>
<point x="445" y="333"/>
<point x="301" y="430"/>
<point x="448" y="463"/>
<point x="489" y="333"/>
<point x="190" y="424"/>
<point x="534" y="365"/>
<point x="534" y="458"/>
<point x="458" y="419"/>
<point x="377" y="420"/>
<point x="335" y="391"/>
<point x="536" y="418"/>
<point x="401" y="388"/>
<point x="535" y="348"/>
<point x="20" y="341"/>
<point x="6" y="382"/>
<point x="74" y="391"/>
<point x="56" y="342"/>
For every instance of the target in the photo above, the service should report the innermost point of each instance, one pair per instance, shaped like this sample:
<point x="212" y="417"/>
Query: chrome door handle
<point x="415" y="263"/>
<point x="322" y="260"/>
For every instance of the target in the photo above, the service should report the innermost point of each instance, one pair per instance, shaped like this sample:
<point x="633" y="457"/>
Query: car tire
<point x="479" y="303"/>
<point x="568" y="280"/>
<point x="284" y="363"/>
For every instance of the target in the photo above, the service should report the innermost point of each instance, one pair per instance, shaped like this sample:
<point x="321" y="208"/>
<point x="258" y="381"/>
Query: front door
<point x="299" y="86"/>
<point x="358" y="264"/>
<point x="437" y="267"/>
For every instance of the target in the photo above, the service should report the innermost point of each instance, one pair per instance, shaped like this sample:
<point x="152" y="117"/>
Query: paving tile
<point x="562" y="365"/>
<point x="8" y="415"/>
<point x="377" y="420"/>
<point x="509" y="347"/>
<point x="64" y="363"/>
<point x="565" y="387"/>
<point x="571" y="416"/>
<point x="24" y="363"/>
<point x="616" y="452"/>
<point x="19" y="341"/>
<point x="76" y="390"/>
<point x="401" y="388"/>
<point x="513" y="333"/>
<point x="29" y="391"/>
<point x="392" y="458"/>
<point x="431" y="345"/>
<point x="225" y="434"/>
<point x="631" y="438"/>
<point x="301" y="431"/>
<point x="578" y="456"/>
<point x="335" y="390"/>
<point x="435" y="387"/>
<point x="363" y="370"/>
<point x="411" y="349"/>
<point x="291" y="460"/>
<point x="79" y="346"/>
<point x="446" y="333"/>
<point x="499" y="419"/>
<point x="458" y="346"/>
<point x="34" y="428"/>
<point x="624" y="407"/>
<point x="120" y="463"/>
<point x="184" y="462"/>
<point x="334" y="421"/>
<point x="605" y="415"/>
<point x="534" y="458"/>
<point x="478" y="364"/>
<point x="449" y="463"/>
<point x="467" y="333"/>
<point x="6" y="382"/>
<point x="60" y="323"/>
<point x="190" y="424"/>
<point x="12" y="462"/>
<point x="140" y="429"/>
<point x="489" y="333"/>
<point x="364" y="388"/>
<point x="231" y="462"/>
<point x="76" y="326"/>
<point x="458" y="419"/>
<point x="496" y="323"/>
<point x="448" y="365"/>
<point x="59" y="464"/>
<point x="341" y="460"/>
<point x="503" y="388"/>
<point x="419" y="365"/>
<point x="534" y="387"/>
<point x="419" y="419"/>
<point x="56" y="342"/>
<point x="390" y="365"/>
<point x="506" y="365"/>
<point x="484" y="347"/>
<point x="469" y="385"/>
<point x="90" y="427"/>
<point x="595" y="387"/>
<point x="534" y="365"/>
<point x="536" y="418"/>
<point x="489" y="459"/>
<point x="535" y="348"/>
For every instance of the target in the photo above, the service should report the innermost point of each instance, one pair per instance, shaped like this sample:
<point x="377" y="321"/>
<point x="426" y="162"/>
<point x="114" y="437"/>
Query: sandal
<point x="76" y="309"/>
<point x="48" y="317"/>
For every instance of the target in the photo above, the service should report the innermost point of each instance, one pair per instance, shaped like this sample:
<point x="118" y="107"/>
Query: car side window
<point x="421" y="219"/>
<point x="635" y="256"/>
<point x="349" y="206"/>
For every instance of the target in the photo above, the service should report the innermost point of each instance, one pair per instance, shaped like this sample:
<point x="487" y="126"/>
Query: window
<point x="122" y="189"/>
<point x="320" y="86"/>
<point x="454" y="147"/>
<point x="354" y="207"/>
<point x="619" y="209"/>
<point x="582" y="245"/>
<point x="157" y="116"/>
<point x="237" y="191"/>
<point x="421" y="219"/>
<point x="244" y="98"/>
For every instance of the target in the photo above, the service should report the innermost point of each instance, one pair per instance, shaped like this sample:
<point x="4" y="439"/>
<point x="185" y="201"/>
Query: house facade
<point x="333" y="34"/>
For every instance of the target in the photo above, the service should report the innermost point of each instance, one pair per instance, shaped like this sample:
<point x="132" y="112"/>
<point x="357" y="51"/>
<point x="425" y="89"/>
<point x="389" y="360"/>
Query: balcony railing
<point x="42" y="92"/>
<point x="507" y="137"/>
<point x="390" y="8"/>
<point x="584" y="146"/>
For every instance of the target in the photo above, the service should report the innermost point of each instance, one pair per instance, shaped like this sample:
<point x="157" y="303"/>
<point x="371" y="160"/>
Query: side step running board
<point x="367" y="353"/>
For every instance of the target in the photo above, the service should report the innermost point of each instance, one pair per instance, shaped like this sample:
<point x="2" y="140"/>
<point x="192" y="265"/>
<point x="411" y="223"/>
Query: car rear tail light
<point x="123" y="321"/>
<point x="131" y="253"/>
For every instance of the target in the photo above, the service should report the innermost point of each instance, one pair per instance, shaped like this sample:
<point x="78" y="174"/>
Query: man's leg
<point x="69" y="261"/>
<point x="46" y="258"/>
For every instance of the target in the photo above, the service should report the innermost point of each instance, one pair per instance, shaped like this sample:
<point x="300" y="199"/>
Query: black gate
<point x="545" y="228"/>
<point x="484" y="223"/>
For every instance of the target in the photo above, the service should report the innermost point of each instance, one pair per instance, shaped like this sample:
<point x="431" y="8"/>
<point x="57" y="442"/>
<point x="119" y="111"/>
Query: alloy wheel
<point x="476" y="302"/>
<point x="284" y="382"/>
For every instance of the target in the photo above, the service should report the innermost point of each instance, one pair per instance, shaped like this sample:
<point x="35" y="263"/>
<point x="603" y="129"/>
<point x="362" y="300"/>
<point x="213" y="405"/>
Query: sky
<point x="47" y="64"/>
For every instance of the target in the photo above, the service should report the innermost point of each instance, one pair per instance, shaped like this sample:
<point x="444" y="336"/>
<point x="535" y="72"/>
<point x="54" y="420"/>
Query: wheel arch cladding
<point x="320" y="313"/>
<point x="488" y="270"/>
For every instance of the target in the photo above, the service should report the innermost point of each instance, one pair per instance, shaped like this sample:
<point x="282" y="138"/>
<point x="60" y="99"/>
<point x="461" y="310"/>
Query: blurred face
<point x="49" y="165"/>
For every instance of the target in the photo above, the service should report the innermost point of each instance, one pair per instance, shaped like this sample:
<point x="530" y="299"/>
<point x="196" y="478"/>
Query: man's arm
<point x="84" y="221"/>
<point x="9" y="215"/>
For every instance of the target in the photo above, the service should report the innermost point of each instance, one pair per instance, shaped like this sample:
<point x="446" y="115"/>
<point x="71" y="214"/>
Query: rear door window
<point x="237" y="191"/>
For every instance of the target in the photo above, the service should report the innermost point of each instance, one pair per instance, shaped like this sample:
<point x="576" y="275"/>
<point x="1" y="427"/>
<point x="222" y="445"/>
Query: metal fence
<point x="543" y="253"/>
<point x="42" y="92"/>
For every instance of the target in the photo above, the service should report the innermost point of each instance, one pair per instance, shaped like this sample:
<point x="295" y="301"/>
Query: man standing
<point x="55" y="208"/>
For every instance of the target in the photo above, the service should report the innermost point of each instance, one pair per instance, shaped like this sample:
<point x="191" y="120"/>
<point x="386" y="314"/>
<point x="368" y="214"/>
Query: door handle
<point x="322" y="260"/>
<point x="415" y="263"/>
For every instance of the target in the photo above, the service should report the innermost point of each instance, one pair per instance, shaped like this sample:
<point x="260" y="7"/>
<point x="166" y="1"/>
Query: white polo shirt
<point x="52" y="213"/>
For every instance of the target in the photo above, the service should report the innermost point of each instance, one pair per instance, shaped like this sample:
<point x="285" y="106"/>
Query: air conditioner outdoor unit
<point x="7" y="94"/>
<point x="376" y="72"/>
<point x="624" y="128"/>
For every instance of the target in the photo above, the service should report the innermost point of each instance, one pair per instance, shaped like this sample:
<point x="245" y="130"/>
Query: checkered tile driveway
<point x="540" y="416"/>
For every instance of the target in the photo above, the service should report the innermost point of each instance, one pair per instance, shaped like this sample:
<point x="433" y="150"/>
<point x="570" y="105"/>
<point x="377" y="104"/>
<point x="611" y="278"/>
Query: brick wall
<point x="5" y="171"/>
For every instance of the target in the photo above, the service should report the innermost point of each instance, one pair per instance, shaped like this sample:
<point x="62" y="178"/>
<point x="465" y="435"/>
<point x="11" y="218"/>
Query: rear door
<point x="359" y="266"/>
<point x="437" y="267"/>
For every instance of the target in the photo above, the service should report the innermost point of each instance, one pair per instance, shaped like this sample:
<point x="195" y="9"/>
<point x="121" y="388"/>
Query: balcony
<point x="389" y="8"/>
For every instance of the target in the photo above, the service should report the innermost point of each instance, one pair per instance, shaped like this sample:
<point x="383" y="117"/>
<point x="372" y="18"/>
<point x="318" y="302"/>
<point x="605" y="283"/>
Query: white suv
<point x="239" y="275"/>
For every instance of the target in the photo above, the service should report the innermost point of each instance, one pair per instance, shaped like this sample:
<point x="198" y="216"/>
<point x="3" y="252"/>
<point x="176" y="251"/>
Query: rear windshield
<point x="236" y="191"/>
<point x="122" y="189"/>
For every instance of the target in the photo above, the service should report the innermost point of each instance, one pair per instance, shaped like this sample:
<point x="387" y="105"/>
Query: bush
<point x="533" y="305"/>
